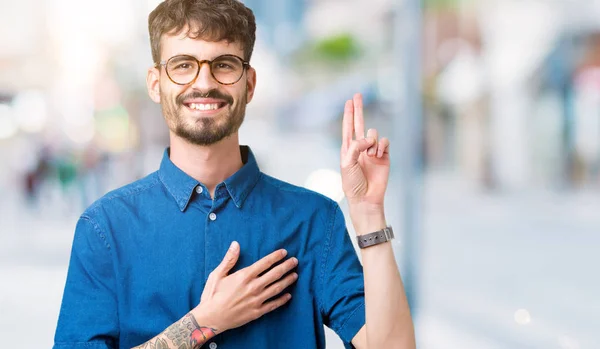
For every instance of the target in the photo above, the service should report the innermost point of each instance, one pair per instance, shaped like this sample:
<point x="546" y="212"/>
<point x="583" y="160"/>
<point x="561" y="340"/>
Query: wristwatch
<point x="375" y="238"/>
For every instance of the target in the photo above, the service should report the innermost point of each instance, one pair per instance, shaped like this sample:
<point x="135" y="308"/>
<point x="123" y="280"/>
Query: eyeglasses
<point x="184" y="69"/>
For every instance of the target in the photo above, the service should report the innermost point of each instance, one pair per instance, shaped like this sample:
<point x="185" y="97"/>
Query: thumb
<point x="357" y="147"/>
<point x="231" y="257"/>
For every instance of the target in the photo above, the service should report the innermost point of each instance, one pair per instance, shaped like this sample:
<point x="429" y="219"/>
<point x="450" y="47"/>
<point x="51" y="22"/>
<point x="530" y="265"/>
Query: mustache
<point x="216" y="94"/>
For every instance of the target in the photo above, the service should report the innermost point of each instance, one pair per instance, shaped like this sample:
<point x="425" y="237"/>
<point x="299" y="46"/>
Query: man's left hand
<point x="365" y="162"/>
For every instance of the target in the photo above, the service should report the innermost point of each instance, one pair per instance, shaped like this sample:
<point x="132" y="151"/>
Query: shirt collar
<point x="181" y="186"/>
<point x="241" y="183"/>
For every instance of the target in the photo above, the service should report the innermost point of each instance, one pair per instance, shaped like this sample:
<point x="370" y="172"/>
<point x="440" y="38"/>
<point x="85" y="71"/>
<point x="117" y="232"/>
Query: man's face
<point x="203" y="112"/>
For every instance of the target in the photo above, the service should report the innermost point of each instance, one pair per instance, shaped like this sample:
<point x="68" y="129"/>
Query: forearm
<point x="186" y="333"/>
<point x="389" y="323"/>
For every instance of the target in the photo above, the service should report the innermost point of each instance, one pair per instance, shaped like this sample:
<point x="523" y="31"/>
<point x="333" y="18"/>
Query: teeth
<point x="199" y="106"/>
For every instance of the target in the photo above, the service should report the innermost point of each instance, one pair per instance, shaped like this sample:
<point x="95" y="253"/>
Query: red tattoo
<point x="200" y="334"/>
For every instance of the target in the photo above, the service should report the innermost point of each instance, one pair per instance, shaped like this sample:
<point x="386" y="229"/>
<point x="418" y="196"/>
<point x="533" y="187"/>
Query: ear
<point x="153" y="84"/>
<point x="250" y="84"/>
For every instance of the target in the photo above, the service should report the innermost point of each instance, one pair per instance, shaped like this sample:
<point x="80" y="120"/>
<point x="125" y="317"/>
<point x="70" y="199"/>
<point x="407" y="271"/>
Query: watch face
<point x="384" y="235"/>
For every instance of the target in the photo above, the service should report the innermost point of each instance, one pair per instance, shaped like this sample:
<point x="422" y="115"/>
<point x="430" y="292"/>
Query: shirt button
<point x="212" y="345"/>
<point x="212" y="217"/>
<point x="199" y="189"/>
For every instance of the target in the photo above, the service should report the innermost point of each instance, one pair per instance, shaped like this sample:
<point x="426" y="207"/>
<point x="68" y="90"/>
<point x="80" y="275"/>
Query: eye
<point x="222" y="65"/>
<point x="183" y="66"/>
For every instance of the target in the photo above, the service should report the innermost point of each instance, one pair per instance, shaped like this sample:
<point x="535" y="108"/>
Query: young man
<point x="210" y="250"/>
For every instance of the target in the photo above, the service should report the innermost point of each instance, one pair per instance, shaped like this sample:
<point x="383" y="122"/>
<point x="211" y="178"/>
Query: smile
<point x="205" y="106"/>
<point x="213" y="106"/>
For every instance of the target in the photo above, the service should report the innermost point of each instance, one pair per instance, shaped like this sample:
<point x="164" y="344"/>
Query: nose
<point x="205" y="81"/>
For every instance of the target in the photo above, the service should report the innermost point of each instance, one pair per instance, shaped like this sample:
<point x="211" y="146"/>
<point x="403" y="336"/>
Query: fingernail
<point x="295" y="260"/>
<point x="234" y="246"/>
<point x="289" y="296"/>
<point x="295" y="276"/>
<point x="284" y="253"/>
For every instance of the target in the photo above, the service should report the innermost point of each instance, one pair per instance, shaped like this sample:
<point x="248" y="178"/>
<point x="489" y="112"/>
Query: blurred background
<point x="493" y="109"/>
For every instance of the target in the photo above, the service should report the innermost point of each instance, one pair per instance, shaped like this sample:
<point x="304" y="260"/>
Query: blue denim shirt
<point x="142" y="253"/>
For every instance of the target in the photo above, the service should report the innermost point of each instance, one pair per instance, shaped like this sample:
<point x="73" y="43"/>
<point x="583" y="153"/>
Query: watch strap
<point x="375" y="238"/>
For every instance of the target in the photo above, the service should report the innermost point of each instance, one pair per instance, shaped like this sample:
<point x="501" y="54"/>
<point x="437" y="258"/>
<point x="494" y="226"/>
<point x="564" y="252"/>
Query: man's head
<point x="206" y="102"/>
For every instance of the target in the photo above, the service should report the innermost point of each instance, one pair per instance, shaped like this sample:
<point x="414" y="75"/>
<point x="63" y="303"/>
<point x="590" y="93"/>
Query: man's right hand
<point x="230" y="301"/>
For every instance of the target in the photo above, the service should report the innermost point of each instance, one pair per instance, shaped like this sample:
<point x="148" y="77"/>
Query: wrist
<point x="205" y="318"/>
<point x="366" y="221"/>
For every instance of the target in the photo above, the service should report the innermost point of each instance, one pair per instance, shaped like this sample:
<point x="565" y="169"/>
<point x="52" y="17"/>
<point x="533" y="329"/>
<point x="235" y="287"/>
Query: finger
<point x="372" y="133"/>
<point x="384" y="147"/>
<point x="231" y="257"/>
<point x="276" y="273"/>
<point x="279" y="286"/>
<point x="274" y="304"/>
<point x="359" y="123"/>
<point x="266" y="262"/>
<point x="347" y="125"/>
<point x="356" y="147"/>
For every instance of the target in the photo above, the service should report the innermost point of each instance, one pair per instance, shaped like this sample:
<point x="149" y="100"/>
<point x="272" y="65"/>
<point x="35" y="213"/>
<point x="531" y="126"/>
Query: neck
<point x="210" y="164"/>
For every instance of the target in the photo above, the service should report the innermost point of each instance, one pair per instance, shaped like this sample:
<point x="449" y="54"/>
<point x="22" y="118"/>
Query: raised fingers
<point x="347" y="125"/>
<point x="266" y="262"/>
<point x="359" y="123"/>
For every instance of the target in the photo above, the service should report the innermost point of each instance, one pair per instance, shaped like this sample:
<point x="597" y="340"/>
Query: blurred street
<point x="519" y="269"/>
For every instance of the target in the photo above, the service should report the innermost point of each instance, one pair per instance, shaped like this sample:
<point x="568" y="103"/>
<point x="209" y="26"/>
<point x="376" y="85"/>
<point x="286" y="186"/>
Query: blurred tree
<point x="342" y="47"/>
<point x="333" y="53"/>
<point x="437" y="4"/>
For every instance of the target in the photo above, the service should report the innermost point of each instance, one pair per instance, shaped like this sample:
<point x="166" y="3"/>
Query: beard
<point x="207" y="130"/>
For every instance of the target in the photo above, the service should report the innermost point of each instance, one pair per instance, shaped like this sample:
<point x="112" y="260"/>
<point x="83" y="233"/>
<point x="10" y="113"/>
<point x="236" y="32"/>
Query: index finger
<point x="266" y="262"/>
<point x="359" y="122"/>
<point x="347" y="125"/>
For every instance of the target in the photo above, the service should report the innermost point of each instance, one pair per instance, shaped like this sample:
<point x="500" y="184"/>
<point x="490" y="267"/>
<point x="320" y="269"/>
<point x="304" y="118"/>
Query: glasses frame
<point x="245" y="65"/>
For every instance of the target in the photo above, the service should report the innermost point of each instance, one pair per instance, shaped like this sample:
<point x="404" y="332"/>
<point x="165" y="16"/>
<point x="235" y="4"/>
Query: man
<point x="210" y="250"/>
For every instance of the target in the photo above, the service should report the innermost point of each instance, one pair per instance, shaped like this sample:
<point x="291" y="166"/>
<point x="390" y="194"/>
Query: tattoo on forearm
<point x="154" y="344"/>
<point x="200" y="334"/>
<point x="184" y="334"/>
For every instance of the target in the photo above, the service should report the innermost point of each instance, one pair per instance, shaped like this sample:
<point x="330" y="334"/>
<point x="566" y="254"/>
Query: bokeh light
<point x="326" y="182"/>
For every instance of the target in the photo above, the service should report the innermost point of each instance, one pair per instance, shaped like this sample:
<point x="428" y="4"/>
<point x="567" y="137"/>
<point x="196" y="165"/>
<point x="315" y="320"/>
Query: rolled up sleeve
<point x="88" y="315"/>
<point x="341" y="281"/>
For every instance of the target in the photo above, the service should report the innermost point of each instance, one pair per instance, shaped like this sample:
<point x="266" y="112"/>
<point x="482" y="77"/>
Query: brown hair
<point x="212" y="20"/>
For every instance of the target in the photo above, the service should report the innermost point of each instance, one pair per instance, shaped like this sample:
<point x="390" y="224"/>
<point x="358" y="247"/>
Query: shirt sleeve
<point x="341" y="281"/>
<point x="88" y="313"/>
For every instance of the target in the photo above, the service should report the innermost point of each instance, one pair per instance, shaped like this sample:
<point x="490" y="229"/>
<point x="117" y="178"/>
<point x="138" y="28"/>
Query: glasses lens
<point x="227" y="69"/>
<point x="182" y="69"/>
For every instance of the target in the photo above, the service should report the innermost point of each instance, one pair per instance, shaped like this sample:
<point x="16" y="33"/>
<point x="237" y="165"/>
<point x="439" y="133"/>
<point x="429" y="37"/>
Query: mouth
<point x="205" y="107"/>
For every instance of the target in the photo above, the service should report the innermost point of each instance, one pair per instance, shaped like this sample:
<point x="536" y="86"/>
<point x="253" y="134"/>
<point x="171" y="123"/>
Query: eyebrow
<point x="180" y="57"/>
<point x="190" y="55"/>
